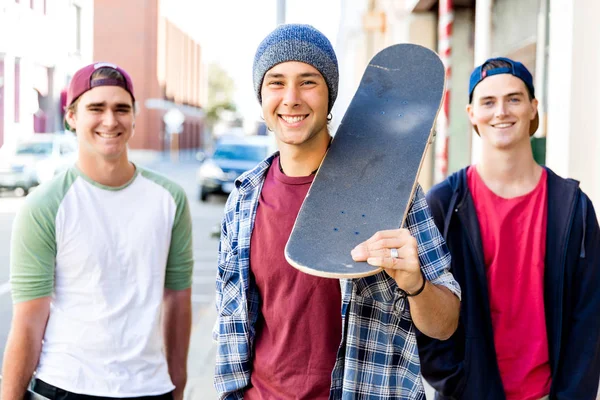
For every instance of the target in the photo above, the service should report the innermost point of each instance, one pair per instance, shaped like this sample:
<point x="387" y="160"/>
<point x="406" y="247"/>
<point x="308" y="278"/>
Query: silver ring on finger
<point x="394" y="253"/>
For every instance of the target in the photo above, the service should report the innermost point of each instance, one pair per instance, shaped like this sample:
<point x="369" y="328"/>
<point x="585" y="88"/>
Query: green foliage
<point x="220" y="93"/>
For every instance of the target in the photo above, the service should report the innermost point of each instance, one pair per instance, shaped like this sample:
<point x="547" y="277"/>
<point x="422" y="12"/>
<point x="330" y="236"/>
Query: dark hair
<point x="493" y="64"/>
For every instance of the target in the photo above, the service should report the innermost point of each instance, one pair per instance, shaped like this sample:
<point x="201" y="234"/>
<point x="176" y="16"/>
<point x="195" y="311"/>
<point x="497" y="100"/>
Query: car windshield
<point x="240" y="152"/>
<point x="36" y="149"/>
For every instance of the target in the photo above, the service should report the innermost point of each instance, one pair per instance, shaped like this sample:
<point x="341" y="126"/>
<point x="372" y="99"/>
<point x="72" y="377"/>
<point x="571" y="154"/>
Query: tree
<point x="220" y="94"/>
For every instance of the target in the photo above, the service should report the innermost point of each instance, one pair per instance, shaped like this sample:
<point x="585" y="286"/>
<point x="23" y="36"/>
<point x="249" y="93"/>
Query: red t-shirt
<point x="300" y="324"/>
<point x="513" y="232"/>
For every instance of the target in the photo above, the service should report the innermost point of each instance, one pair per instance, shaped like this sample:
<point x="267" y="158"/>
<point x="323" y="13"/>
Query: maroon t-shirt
<point x="300" y="324"/>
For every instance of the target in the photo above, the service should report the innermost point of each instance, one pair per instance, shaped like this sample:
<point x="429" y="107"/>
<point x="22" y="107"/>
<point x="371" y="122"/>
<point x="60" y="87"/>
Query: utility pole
<point x="280" y="12"/>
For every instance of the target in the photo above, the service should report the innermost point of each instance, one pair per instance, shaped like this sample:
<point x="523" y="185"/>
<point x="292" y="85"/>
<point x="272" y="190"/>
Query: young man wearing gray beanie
<point x="283" y="334"/>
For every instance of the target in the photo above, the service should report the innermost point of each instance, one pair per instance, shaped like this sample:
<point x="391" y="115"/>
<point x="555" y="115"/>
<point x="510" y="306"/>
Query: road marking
<point x="4" y="288"/>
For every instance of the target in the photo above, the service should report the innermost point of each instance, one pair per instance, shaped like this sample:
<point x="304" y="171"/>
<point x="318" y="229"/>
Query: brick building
<point x="164" y="62"/>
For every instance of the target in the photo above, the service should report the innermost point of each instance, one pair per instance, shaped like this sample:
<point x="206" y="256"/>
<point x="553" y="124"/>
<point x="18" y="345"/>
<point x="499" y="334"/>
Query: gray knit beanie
<point x="295" y="42"/>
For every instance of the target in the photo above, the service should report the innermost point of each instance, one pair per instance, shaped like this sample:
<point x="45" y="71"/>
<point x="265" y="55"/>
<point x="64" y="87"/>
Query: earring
<point x="329" y="117"/>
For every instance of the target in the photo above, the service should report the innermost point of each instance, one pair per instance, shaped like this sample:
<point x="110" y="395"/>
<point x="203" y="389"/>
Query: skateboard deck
<point x="368" y="177"/>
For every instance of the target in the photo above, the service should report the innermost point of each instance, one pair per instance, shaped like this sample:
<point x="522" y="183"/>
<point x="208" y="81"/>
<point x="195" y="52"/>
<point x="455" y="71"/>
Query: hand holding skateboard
<point x="396" y="252"/>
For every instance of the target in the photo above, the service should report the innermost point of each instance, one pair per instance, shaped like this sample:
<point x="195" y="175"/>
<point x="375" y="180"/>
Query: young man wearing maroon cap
<point x="101" y="265"/>
<point x="525" y="246"/>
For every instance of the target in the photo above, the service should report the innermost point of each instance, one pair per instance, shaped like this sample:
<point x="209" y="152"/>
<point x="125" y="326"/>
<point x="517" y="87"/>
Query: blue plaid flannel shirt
<point x="377" y="357"/>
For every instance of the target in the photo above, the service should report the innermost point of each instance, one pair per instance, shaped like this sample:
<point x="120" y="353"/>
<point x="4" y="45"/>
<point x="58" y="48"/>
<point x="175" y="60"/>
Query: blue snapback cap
<point x="516" y="69"/>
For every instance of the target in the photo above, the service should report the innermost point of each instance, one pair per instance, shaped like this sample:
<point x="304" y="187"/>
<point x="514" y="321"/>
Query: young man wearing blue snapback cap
<point x="282" y="334"/>
<point x="525" y="246"/>
<point x="101" y="265"/>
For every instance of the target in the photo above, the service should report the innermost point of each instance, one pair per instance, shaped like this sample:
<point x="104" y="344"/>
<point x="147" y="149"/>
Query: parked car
<point x="233" y="155"/>
<point x="36" y="159"/>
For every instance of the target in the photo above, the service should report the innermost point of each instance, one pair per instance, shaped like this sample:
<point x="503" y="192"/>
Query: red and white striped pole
<point x="446" y="19"/>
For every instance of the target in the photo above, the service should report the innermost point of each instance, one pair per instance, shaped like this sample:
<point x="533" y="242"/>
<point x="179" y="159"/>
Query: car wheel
<point x="20" y="192"/>
<point x="203" y="195"/>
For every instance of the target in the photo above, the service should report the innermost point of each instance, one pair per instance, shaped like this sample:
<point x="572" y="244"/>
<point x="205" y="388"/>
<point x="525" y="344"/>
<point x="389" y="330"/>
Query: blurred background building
<point x="42" y="42"/>
<point x="553" y="38"/>
<point x="165" y="64"/>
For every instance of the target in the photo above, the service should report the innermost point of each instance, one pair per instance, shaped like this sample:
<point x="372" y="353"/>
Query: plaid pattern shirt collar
<point x="377" y="358"/>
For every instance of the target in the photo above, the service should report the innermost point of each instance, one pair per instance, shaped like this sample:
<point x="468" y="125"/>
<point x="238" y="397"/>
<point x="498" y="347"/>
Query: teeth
<point x="107" y="136"/>
<point x="506" y="125"/>
<point x="293" y="120"/>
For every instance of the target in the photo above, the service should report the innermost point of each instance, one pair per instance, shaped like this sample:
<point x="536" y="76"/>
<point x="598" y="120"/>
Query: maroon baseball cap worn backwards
<point x="82" y="81"/>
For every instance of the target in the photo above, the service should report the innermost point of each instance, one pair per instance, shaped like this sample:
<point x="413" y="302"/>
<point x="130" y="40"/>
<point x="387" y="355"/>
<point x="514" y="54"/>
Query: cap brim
<point x="533" y="127"/>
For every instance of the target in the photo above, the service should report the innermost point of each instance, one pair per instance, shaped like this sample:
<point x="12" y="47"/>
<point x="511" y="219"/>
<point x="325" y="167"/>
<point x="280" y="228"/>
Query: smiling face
<point x="294" y="103"/>
<point x="103" y="120"/>
<point x="502" y="111"/>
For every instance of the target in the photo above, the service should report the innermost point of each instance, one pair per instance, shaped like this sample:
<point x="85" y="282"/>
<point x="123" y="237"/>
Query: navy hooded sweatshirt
<point x="465" y="366"/>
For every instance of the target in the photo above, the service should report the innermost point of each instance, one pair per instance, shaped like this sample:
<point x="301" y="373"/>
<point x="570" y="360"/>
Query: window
<point x="1" y="100"/>
<point x="34" y="148"/>
<point x="17" y="88"/>
<point x="77" y="28"/>
<point x="38" y="5"/>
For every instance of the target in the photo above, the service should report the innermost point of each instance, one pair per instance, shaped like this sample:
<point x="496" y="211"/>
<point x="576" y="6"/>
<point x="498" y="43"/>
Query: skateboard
<point x="369" y="175"/>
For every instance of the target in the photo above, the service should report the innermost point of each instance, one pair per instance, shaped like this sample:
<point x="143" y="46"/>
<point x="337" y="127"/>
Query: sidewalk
<point x="202" y="359"/>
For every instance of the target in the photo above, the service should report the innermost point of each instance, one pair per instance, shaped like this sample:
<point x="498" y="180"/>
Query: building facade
<point x="42" y="43"/>
<point x="553" y="38"/>
<point x="165" y="65"/>
<point x="366" y="27"/>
